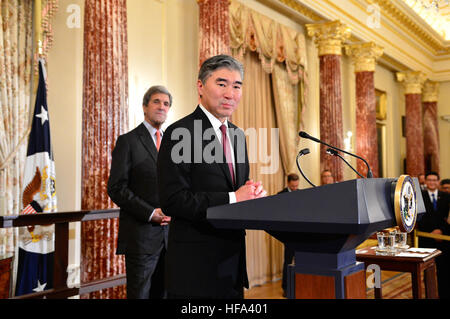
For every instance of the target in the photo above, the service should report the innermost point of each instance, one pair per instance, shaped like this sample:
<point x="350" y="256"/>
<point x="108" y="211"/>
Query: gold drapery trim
<point x="49" y="8"/>
<point x="274" y="42"/>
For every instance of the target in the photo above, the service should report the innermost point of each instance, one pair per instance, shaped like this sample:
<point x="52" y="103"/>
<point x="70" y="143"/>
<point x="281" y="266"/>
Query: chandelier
<point x="430" y="11"/>
<point x="431" y="4"/>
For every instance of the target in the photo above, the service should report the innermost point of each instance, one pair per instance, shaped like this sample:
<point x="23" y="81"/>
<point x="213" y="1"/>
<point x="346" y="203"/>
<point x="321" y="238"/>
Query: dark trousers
<point x="145" y="275"/>
<point x="288" y="256"/>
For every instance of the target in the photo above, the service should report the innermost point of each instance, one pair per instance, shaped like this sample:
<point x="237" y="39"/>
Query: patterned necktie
<point x="227" y="151"/>
<point x="158" y="139"/>
<point x="433" y="198"/>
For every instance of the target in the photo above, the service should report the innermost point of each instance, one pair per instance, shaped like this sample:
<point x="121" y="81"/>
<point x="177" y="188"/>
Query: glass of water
<point x="386" y="242"/>
<point x="400" y="239"/>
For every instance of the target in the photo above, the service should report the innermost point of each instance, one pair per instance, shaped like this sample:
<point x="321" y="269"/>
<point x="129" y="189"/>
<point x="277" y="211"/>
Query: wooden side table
<point x="5" y="275"/>
<point x="415" y="265"/>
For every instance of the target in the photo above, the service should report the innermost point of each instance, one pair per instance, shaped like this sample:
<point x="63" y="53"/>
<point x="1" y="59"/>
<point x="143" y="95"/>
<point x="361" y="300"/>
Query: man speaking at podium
<point x="203" y="261"/>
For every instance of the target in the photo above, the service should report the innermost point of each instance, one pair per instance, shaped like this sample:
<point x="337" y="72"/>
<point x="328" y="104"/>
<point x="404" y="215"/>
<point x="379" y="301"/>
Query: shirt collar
<point x="435" y="192"/>
<point x="151" y="129"/>
<point x="215" y="122"/>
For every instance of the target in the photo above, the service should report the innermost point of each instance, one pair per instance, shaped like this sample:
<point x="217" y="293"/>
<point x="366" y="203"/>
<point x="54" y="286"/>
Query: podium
<point x="323" y="225"/>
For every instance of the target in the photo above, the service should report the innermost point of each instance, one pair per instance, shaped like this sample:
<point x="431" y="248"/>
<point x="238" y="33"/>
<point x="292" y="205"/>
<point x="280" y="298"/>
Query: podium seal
<point x="405" y="203"/>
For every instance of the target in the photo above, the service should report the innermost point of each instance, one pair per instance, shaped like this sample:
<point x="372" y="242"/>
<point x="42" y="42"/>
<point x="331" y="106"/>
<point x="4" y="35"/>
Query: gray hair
<point x="154" y="90"/>
<point x="219" y="62"/>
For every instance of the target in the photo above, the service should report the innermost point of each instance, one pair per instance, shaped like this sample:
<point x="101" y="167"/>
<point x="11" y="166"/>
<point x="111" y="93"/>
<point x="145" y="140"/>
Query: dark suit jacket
<point x="132" y="185"/>
<point x="432" y="220"/>
<point x="202" y="261"/>
<point x="284" y="190"/>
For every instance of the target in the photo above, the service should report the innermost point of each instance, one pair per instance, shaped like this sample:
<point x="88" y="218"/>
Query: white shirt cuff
<point x="232" y="197"/>
<point x="151" y="215"/>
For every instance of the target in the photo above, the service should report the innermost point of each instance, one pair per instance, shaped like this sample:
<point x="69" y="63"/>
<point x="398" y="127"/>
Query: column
<point x="329" y="37"/>
<point x="105" y="117"/>
<point x="364" y="56"/>
<point x="430" y="125"/>
<point x="214" y="28"/>
<point x="413" y="82"/>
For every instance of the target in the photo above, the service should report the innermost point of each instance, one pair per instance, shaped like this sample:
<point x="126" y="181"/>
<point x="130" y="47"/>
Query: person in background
<point x="422" y="183"/>
<point x="292" y="185"/>
<point x="434" y="221"/>
<point x="326" y="177"/>
<point x="132" y="185"/>
<point x="445" y="186"/>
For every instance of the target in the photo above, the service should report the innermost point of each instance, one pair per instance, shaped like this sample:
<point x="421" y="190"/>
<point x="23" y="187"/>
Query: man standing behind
<point x="326" y="177"/>
<point x="434" y="221"/>
<point x="445" y="186"/>
<point x="203" y="261"/>
<point x="436" y="206"/>
<point x="292" y="185"/>
<point x="132" y="185"/>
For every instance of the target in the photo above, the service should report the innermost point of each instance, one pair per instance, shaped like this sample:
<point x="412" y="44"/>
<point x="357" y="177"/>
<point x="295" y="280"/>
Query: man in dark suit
<point x="437" y="205"/>
<point x="202" y="163"/>
<point x="132" y="185"/>
<point x="292" y="185"/>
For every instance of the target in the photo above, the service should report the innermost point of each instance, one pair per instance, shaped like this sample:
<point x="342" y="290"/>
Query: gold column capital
<point x="430" y="91"/>
<point x="412" y="81"/>
<point x="329" y="36"/>
<point x="364" y="55"/>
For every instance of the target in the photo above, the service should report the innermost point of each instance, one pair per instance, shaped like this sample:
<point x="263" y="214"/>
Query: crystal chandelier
<point x="431" y="4"/>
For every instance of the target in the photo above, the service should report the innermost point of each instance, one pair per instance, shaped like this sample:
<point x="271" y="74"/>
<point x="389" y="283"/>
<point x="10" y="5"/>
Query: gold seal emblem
<point x="405" y="203"/>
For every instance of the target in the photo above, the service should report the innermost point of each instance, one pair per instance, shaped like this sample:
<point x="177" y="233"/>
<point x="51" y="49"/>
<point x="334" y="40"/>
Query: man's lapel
<point x="206" y="124"/>
<point x="147" y="141"/>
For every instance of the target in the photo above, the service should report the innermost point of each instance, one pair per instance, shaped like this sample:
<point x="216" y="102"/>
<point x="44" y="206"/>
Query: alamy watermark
<point x="262" y="147"/>
<point x="374" y="279"/>
<point x="373" y="20"/>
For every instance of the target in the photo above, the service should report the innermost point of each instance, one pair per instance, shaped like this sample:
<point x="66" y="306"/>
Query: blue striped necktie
<point x="434" y="202"/>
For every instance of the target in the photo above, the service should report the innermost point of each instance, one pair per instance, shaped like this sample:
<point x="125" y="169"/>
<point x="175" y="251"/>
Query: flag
<point x="36" y="243"/>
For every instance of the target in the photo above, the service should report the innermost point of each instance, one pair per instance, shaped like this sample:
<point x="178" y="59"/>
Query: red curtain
<point x="214" y="25"/>
<point x="105" y="113"/>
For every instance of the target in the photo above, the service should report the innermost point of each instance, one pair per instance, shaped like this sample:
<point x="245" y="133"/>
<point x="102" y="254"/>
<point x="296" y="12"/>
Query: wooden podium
<point x="323" y="225"/>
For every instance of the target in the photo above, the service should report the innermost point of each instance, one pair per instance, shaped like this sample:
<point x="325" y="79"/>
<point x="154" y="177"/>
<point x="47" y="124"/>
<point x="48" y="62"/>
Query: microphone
<point x="301" y="153"/>
<point x="306" y="135"/>
<point x="335" y="153"/>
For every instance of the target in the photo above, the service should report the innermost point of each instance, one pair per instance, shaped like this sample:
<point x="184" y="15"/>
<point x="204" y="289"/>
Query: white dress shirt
<point x="216" y="124"/>
<point x="152" y="132"/>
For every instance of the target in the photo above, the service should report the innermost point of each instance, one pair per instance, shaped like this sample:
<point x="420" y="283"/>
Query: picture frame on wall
<point x="380" y="97"/>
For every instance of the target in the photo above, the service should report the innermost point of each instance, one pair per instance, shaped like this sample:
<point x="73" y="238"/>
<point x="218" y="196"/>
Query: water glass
<point x="386" y="242"/>
<point x="400" y="239"/>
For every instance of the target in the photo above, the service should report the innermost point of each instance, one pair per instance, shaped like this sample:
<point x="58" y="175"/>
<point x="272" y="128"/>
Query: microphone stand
<point x="301" y="153"/>
<point x="335" y="153"/>
<point x="306" y="135"/>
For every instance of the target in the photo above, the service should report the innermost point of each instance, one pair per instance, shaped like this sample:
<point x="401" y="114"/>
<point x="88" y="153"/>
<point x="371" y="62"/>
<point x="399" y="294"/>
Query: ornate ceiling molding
<point x="409" y="42"/>
<point x="404" y="15"/>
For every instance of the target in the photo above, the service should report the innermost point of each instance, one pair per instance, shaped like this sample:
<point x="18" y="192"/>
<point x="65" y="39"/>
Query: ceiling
<point x="438" y="19"/>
